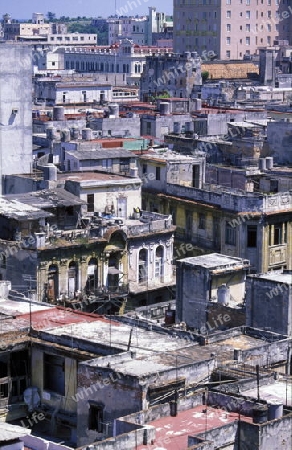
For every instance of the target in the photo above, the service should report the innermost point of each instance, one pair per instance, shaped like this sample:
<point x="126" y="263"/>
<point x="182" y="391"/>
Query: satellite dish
<point x="31" y="398"/>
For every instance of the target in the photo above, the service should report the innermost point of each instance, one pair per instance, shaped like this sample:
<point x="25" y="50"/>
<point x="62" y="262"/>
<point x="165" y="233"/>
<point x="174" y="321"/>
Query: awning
<point x="114" y="271"/>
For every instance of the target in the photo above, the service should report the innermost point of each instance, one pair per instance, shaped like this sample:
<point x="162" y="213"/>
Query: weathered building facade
<point x="251" y="225"/>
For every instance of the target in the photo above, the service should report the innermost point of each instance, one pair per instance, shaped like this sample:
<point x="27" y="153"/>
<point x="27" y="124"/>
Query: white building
<point x="125" y="57"/>
<point x="142" y="30"/>
<point x="15" y="110"/>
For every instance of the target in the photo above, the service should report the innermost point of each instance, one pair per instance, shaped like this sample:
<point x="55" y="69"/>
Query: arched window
<point x="53" y="283"/>
<point x="159" y="262"/>
<point x="72" y="279"/>
<point x="92" y="276"/>
<point x="143" y="265"/>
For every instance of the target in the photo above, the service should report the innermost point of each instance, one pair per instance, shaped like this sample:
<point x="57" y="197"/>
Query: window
<point x="96" y="418"/>
<point x="143" y="263"/>
<point x="247" y="40"/>
<point x="251" y="236"/>
<point x="90" y="202"/>
<point x="159" y="262"/>
<point x="144" y="169"/>
<point x="228" y="27"/>
<point x="202" y="221"/>
<point x="157" y="173"/>
<point x="228" y="2"/>
<point x="277" y="234"/>
<point x="228" y="14"/>
<point x="247" y="27"/>
<point x="54" y="373"/>
<point x="230" y="234"/>
<point x="247" y="14"/>
<point x="227" y="53"/>
<point x="228" y="40"/>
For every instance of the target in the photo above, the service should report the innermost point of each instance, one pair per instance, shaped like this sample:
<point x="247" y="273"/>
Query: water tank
<point x="260" y="414"/>
<point x="87" y="134"/>
<point x="50" y="172"/>
<point x="223" y="294"/>
<point x="134" y="172"/>
<point x="269" y="162"/>
<point x="5" y="287"/>
<point x="114" y="110"/>
<point x="176" y="128"/>
<point x="275" y="410"/>
<point x="187" y="55"/>
<point x="74" y="133"/>
<point x="197" y="104"/>
<point x="65" y="135"/>
<point x="194" y="54"/>
<point x="58" y="113"/>
<point x="262" y="164"/>
<point x="164" y="108"/>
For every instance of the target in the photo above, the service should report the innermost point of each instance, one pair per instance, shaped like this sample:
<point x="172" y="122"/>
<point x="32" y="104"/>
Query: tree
<point x="51" y="16"/>
<point x="205" y="75"/>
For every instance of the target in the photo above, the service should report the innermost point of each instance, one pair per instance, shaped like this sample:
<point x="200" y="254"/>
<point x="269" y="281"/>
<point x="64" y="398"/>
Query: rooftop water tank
<point x="74" y="133"/>
<point x="87" y="134"/>
<point x="164" y="108"/>
<point x="262" y="164"/>
<point x="260" y="414"/>
<point x="269" y="162"/>
<point x="65" y="135"/>
<point x="50" y="172"/>
<point x="58" y="113"/>
<point x="275" y="410"/>
<point x="223" y="294"/>
<point x="114" y="109"/>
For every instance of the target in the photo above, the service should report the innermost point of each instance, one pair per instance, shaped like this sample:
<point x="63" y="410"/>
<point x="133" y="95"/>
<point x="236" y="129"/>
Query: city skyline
<point x="76" y="8"/>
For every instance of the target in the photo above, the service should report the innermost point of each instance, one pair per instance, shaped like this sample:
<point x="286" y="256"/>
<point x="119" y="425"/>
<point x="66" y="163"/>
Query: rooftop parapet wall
<point x="235" y="200"/>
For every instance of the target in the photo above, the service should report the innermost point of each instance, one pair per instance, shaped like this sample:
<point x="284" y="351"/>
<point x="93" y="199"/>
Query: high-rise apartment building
<point x="15" y="110"/>
<point x="229" y="28"/>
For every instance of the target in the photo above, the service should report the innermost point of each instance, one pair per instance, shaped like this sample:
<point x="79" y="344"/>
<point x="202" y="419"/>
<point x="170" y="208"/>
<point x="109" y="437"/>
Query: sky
<point x="23" y="9"/>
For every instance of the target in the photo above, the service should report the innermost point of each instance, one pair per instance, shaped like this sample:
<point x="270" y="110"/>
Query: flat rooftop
<point x="279" y="392"/>
<point x="154" y="351"/>
<point x="96" y="176"/>
<point x="172" y="432"/>
<point x="215" y="261"/>
<point x="277" y="277"/>
<point x="20" y="307"/>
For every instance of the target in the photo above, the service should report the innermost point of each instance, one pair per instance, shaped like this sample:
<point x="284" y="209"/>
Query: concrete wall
<point x="275" y="434"/>
<point x="268" y="304"/>
<point x="117" y="126"/>
<point x="15" y="110"/>
<point x="195" y="288"/>
<point x="279" y="137"/>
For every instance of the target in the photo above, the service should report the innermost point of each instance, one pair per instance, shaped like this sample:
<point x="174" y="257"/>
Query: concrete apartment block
<point x="15" y="110"/>
<point x="228" y="28"/>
